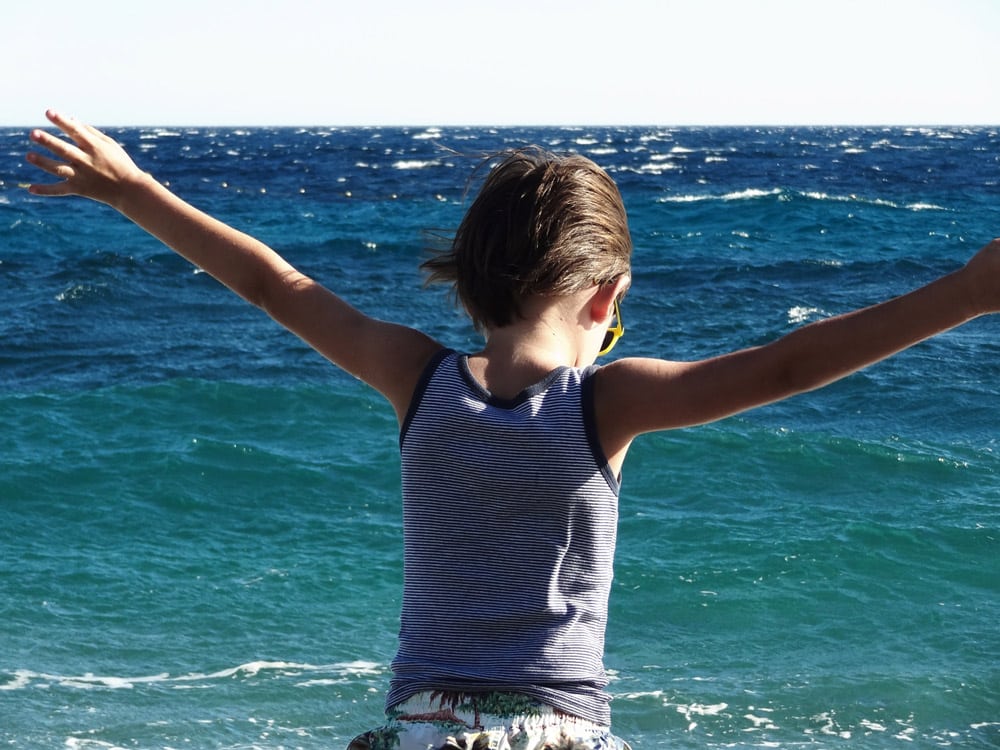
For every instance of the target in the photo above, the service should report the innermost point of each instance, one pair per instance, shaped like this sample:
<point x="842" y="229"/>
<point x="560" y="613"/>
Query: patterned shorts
<point x="484" y="721"/>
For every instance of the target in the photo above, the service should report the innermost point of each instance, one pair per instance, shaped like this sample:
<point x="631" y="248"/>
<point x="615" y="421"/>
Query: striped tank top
<point x="510" y="513"/>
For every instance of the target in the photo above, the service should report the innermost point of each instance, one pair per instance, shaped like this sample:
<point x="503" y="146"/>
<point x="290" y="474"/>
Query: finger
<point x="57" y="168"/>
<point x="86" y="137"/>
<point x="53" y="189"/>
<point x="69" y="125"/>
<point x="57" y="146"/>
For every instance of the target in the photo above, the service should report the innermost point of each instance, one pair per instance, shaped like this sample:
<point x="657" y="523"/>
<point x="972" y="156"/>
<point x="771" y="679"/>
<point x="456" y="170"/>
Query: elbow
<point x="270" y="292"/>
<point x="257" y="294"/>
<point x="803" y="374"/>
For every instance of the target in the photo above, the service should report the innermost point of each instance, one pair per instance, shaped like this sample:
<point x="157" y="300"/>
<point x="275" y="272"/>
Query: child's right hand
<point x="93" y="165"/>
<point x="982" y="274"/>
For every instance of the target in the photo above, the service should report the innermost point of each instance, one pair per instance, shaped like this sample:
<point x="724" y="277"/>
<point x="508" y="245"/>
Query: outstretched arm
<point x="643" y="395"/>
<point x="387" y="356"/>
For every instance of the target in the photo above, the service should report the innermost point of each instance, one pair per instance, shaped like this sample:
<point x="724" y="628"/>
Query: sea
<point x="200" y="542"/>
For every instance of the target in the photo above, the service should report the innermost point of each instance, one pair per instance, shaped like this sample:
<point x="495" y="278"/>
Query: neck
<point x="548" y="333"/>
<point x="521" y="353"/>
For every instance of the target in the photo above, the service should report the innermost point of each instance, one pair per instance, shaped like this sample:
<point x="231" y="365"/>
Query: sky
<point x="512" y="62"/>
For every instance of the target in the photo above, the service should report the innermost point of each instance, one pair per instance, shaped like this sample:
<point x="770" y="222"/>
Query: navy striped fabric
<point x="510" y="515"/>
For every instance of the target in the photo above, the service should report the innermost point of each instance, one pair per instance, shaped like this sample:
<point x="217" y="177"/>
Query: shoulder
<point x="635" y="395"/>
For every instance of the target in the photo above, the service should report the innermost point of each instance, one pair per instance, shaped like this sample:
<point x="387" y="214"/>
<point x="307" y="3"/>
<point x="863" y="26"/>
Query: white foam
<point x="80" y="743"/>
<point x="428" y="134"/>
<point x="250" y="669"/>
<point x="750" y="193"/>
<point x="686" y="198"/>
<point x="160" y="133"/>
<point x="872" y="725"/>
<point x="22" y="679"/>
<point x="699" y="709"/>
<point x="736" y="195"/>
<point x="760" y="722"/>
<point x="414" y="164"/>
<point x="799" y="314"/>
<point x="25" y="678"/>
<point x="642" y="694"/>
<point x="656" y="169"/>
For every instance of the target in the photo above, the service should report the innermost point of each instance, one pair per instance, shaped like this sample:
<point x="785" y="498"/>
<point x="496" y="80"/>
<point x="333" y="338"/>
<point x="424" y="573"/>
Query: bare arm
<point x="387" y="356"/>
<point x="643" y="395"/>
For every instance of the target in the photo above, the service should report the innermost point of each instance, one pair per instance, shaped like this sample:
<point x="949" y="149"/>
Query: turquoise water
<point x="199" y="518"/>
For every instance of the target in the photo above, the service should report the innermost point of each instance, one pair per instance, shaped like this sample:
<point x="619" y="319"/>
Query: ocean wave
<point x="79" y="292"/>
<point x="160" y="133"/>
<point x="413" y="164"/>
<point x="738" y="195"/>
<point x="800" y="314"/>
<point x="854" y="198"/>
<point x="750" y="194"/>
<point x="427" y="135"/>
<point x="25" y="679"/>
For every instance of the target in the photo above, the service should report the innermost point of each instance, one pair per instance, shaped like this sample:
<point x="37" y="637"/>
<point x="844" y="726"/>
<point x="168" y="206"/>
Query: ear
<point x="602" y="303"/>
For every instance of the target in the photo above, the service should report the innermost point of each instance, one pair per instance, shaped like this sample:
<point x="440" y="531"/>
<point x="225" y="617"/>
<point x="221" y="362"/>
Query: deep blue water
<point x="199" y="517"/>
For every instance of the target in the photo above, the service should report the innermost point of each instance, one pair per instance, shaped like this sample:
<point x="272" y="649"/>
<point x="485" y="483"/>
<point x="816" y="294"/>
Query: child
<point x="511" y="456"/>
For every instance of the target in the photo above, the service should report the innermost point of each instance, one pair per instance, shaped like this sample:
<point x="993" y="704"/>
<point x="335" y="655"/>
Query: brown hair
<point x="541" y="224"/>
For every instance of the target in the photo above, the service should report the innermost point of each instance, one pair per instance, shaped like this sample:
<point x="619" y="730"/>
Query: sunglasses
<point x="613" y="333"/>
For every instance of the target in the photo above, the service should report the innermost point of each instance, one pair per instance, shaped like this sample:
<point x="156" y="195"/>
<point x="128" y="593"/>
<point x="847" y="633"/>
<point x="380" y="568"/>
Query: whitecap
<point x="641" y="694"/>
<point x="799" y="314"/>
<point x="750" y="193"/>
<point x="93" y="682"/>
<point x="851" y="198"/>
<point x="250" y="669"/>
<point x="657" y="168"/>
<point x="81" y="291"/>
<point x="22" y="678"/>
<point x="698" y="709"/>
<point x="428" y="134"/>
<point x="26" y="679"/>
<point x="414" y="164"/>
<point x="872" y="725"/>
<point x="760" y="722"/>
<point x="81" y="743"/>
<point x="686" y="198"/>
<point x="160" y="133"/>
